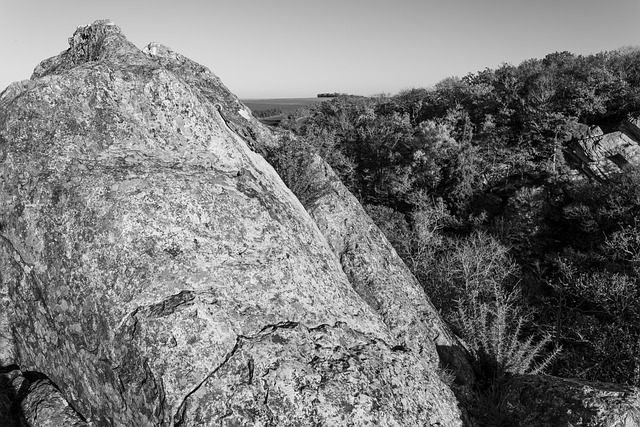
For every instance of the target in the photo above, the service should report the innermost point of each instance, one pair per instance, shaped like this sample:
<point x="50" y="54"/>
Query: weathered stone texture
<point x="317" y="376"/>
<point x="374" y="269"/>
<point x="599" y="155"/>
<point x="157" y="269"/>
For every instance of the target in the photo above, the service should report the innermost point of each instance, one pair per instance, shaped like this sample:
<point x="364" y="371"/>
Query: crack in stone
<point x="134" y="328"/>
<point x="159" y="387"/>
<point x="178" y="418"/>
<point x="17" y="252"/>
<point x="272" y="328"/>
<point x="251" y="367"/>
<point x="170" y="304"/>
<point x="264" y="332"/>
<point x="163" y="308"/>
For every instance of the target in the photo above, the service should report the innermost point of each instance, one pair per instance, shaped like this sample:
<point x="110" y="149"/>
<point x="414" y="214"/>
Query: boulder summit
<point x="156" y="271"/>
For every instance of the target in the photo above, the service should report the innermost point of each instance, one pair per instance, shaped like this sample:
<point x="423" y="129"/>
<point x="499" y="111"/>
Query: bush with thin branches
<point x="487" y="307"/>
<point x="494" y="330"/>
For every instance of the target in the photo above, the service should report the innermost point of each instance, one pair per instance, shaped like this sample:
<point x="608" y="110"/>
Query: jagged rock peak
<point x="102" y="40"/>
<point x="90" y="42"/>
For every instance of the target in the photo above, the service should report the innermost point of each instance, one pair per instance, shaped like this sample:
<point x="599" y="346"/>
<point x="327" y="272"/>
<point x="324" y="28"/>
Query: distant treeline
<point x="267" y="113"/>
<point x="331" y="95"/>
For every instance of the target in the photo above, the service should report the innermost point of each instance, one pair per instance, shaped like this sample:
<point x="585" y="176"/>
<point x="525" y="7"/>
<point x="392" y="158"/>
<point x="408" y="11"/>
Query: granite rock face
<point x="154" y="266"/>
<point x="601" y="154"/>
<point x="373" y="267"/>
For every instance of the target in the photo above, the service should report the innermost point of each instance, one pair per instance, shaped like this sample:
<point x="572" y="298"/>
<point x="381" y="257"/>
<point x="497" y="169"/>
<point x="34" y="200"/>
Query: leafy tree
<point x="473" y="169"/>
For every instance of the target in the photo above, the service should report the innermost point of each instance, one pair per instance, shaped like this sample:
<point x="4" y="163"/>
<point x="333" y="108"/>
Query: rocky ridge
<point x="155" y="270"/>
<point x="160" y="273"/>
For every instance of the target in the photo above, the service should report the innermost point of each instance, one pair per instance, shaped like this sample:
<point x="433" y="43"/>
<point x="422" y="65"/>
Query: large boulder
<point x="154" y="266"/>
<point x="373" y="267"/>
<point x="600" y="155"/>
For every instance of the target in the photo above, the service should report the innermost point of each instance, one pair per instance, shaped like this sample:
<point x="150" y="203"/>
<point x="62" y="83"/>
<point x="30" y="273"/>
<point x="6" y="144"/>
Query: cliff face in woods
<point x="155" y="270"/>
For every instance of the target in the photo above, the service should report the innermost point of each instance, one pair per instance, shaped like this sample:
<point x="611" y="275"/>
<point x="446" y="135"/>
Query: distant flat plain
<point x="286" y="105"/>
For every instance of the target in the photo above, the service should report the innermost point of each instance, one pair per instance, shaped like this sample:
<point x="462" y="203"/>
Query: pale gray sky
<point x="297" y="48"/>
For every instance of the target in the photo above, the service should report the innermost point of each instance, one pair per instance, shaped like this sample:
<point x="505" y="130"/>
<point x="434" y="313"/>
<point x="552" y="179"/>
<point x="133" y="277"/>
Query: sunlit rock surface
<point x="600" y="154"/>
<point x="156" y="269"/>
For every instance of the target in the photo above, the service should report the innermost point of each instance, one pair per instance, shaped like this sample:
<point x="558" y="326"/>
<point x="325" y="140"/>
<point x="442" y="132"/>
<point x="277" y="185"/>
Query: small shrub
<point x="483" y="279"/>
<point x="494" y="332"/>
<point x="597" y="311"/>
<point x="447" y="376"/>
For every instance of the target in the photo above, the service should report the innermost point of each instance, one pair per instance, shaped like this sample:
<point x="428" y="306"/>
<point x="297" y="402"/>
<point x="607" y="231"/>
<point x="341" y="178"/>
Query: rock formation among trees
<point x="155" y="270"/>
<point x="600" y="154"/>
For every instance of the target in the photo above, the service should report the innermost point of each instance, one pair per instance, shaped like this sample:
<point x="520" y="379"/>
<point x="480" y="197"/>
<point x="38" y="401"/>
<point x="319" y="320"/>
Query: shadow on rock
<point x="12" y="387"/>
<point x="30" y="399"/>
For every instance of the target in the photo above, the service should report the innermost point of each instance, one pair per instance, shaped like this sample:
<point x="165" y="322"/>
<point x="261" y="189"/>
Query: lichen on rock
<point x="158" y="271"/>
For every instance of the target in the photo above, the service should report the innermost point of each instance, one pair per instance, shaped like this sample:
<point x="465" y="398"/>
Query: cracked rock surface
<point x="372" y="266"/>
<point x="329" y="375"/>
<point x="157" y="270"/>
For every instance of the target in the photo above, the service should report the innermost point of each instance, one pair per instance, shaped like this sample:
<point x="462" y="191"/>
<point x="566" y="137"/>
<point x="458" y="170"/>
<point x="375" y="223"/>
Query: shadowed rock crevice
<point x="170" y="305"/>
<point x="29" y="398"/>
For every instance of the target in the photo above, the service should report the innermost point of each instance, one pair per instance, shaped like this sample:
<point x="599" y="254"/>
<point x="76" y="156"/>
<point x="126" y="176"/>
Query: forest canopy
<point x="469" y="181"/>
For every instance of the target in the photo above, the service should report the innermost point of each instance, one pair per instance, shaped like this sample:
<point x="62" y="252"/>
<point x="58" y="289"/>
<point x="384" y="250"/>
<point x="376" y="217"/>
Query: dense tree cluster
<point x="469" y="182"/>
<point x="330" y="94"/>
<point x="269" y="112"/>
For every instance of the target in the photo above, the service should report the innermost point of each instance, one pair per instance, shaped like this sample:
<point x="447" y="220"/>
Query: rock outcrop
<point x="600" y="154"/>
<point x="157" y="270"/>
<point x="373" y="267"/>
<point x="379" y="273"/>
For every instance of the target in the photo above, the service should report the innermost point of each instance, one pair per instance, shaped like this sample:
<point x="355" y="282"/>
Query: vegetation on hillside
<point x="268" y="112"/>
<point x="330" y="94"/>
<point x="469" y="182"/>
